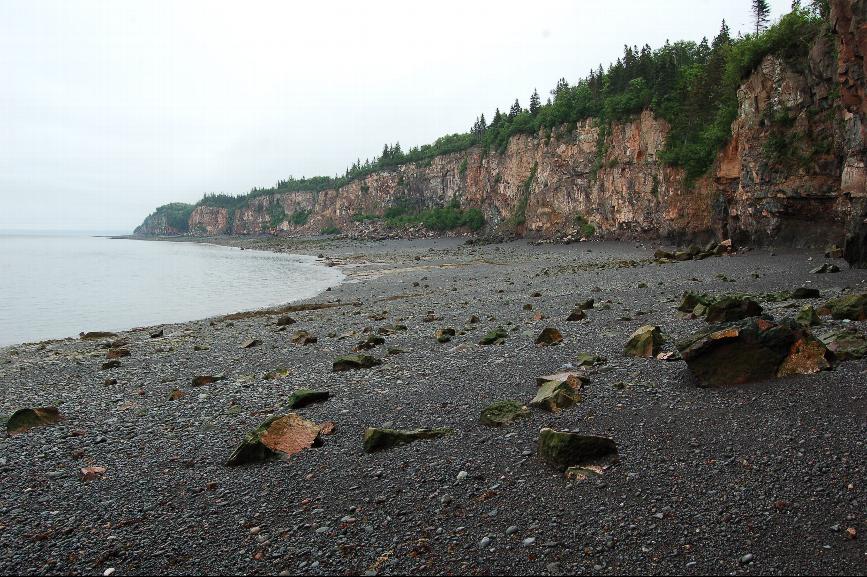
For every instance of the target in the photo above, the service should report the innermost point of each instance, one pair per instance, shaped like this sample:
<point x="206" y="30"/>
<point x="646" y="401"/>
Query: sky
<point x="111" y="108"/>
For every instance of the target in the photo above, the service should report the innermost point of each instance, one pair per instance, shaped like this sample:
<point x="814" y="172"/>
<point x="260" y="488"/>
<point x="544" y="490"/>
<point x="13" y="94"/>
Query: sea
<point x="56" y="285"/>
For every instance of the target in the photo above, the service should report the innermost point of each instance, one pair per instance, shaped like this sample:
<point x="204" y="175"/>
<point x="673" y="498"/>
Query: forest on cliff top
<point x="692" y="85"/>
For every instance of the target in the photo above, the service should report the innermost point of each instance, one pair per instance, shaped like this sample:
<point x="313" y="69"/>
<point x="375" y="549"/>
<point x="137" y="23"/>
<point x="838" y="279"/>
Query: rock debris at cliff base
<point x="706" y="480"/>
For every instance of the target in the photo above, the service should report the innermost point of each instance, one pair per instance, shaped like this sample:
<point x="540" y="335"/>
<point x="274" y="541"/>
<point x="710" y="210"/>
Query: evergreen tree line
<point x="691" y="85"/>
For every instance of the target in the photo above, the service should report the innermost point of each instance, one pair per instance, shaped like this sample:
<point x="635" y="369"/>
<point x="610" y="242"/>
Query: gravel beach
<point x="765" y="478"/>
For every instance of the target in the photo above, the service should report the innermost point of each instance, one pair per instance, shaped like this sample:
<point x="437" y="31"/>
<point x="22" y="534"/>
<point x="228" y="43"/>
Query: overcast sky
<point x="111" y="108"/>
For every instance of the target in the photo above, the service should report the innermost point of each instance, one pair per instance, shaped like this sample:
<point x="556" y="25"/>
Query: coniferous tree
<point x="761" y="14"/>
<point x="535" y="102"/>
<point x="515" y="110"/>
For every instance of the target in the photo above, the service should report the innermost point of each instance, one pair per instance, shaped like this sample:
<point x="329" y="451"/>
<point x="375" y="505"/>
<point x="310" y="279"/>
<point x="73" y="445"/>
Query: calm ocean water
<point x="55" y="286"/>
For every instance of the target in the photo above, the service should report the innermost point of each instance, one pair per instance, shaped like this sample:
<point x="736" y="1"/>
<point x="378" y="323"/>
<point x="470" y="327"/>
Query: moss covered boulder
<point x="23" y="420"/>
<point x="281" y="435"/>
<point x="731" y="308"/>
<point x="354" y="362"/>
<point x="644" y="342"/>
<point x="304" y="397"/>
<point x="852" y="307"/>
<point x="563" y="449"/>
<point x="554" y="396"/>
<point x="690" y="300"/>
<point x="377" y="439"/>
<point x="808" y="317"/>
<point x="846" y="344"/>
<point x="502" y="413"/>
<point x="495" y="337"/>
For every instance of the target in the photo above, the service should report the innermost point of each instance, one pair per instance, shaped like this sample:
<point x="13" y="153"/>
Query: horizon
<point x="115" y="112"/>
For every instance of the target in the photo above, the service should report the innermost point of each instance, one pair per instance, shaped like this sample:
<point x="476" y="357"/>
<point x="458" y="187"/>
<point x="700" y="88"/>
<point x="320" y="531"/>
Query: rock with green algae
<point x="846" y="344"/>
<point x="563" y="449"/>
<point x="277" y="436"/>
<point x="554" y="396"/>
<point x="354" y="362"/>
<point x="589" y="360"/>
<point x="502" y="413"/>
<point x="379" y="439"/>
<point x="732" y="308"/>
<point x="852" y="307"/>
<point x="807" y="317"/>
<point x="644" y="342"/>
<point x="303" y="397"/>
<point x="23" y="420"/>
<point x="495" y="337"/>
<point x="372" y="341"/>
<point x="690" y="300"/>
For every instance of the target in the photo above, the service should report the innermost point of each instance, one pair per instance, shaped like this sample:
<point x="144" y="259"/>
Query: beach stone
<point x="203" y="380"/>
<point x="845" y="344"/>
<point x="585" y="305"/>
<point x="576" y="315"/>
<point x="93" y="335"/>
<point x="303" y="397"/>
<point x="690" y="300"/>
<point x="113" y="364"/>
<point x="444" y="335"/>
<point x="589" y="360"/>
<point x="303" y="338"/>
<point x="747" y="351"/>
<point x="372" y="341"/>
<point x="852" y="307"/>
<point x="563" y="449"/>
<point x="806" y="293"/>
<point x="158" y="334"/>
<point x="553" y="396"/>
<point x="728" y="309"/>
<point x="117" y="353"/>
<point x="502" y="413"/>
<point x="549" y="336"/>
<point x="285" y="320"/>
<point x="495" y="337"/>
<point x="808" y="317"/>
<point x="250" y="343"/>
<point x="825" y="268"/>
<point x="23" y="420"/>
<point x="279" y="435"/>
<point x="644" y="342"/>
<point x="380" y="439"/>
<point x="176" y="395"/>
<point x="354" y="362"/>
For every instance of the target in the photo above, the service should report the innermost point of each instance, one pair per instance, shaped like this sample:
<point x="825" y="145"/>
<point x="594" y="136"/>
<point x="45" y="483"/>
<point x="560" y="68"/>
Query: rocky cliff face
<point x="793" y="172"/>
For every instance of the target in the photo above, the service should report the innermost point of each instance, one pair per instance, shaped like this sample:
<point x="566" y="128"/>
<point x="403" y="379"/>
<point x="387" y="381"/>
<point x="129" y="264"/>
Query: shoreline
<point x="695" y="490"/>
<point x="303" y="259"/>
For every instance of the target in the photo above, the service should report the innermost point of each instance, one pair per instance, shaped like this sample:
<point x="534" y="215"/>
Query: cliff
<point x="792" y="172"/>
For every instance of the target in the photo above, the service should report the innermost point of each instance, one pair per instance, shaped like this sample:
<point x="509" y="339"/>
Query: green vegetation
<point x="520" y="216"/>
<point x="585" y="227"/>
<point x="177" y="215"/>
<point x="692" y="85"/>
<point x="299" y="217"/>
<point x="444" y="218"/>
<point x="278" y="214"/>
<point x="462" y="169"/>
<point x="329" y="230"/>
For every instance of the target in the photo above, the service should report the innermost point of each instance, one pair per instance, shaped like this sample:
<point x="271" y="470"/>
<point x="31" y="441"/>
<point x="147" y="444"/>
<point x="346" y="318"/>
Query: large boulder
<point x="852" y="307"/>
<point x="564" y="449"/>
<point x="377" y="439"/>
<point x="732" y="308"/>
<point x="277" y="436"/>
<point x="751" y="350"/>
<point x="644" y="342"/>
